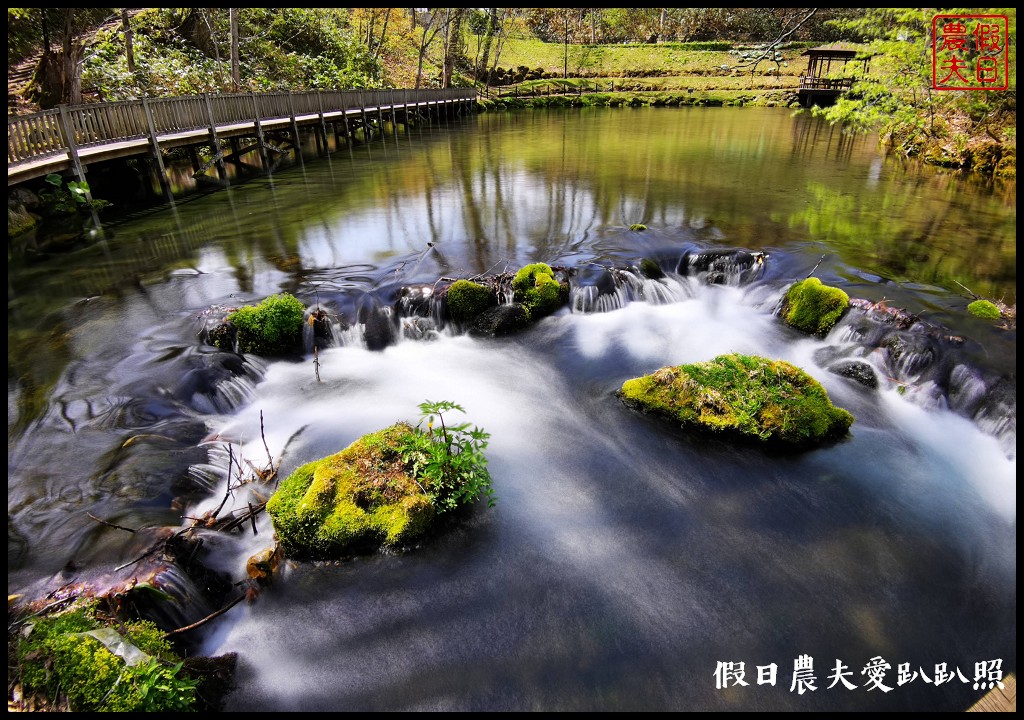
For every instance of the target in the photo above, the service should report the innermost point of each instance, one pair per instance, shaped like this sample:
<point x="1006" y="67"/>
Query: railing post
<point x="157" y="155"/>
<point x="218" y="153"/>
<point x="323" y="124"/>
<point x="297" y="141"/>
<point x="259" y="133"/>
<point x="69" y="140"/>
<point x="77" y="162"/>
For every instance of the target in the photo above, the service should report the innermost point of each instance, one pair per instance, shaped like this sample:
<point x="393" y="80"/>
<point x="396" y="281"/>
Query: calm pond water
<point x="624" y="563"/>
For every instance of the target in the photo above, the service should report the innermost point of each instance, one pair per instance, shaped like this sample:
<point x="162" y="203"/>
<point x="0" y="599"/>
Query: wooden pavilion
<point x="816" y="88"/>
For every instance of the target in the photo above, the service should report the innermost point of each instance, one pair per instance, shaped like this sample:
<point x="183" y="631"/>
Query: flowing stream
<point x="626" y="563"/>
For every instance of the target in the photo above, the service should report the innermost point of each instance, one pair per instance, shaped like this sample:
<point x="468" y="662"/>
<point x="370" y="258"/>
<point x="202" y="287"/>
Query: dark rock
<point x="858" y="371"/>
<point x="500" y="320"/>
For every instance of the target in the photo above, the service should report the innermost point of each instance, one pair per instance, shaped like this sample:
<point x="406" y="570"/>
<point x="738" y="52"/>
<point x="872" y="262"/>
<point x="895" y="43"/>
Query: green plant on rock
<point x="450" y="460"/>
<point x="98" y="664"/>
<point x="813" y="307"/>
<point x="274" y="327"/>
<point x="984" y="309"/>
<point x="539" y="292"/>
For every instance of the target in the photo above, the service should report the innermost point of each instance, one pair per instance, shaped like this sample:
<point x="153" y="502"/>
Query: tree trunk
<point x="383" y="34"/>
<point x="46" y="35"/>
<point x="74" y="53"/>
<point x="485" y="50"/>
<point x="196" y="29"/>
<point x="236" y="75"/>
<point x="129" y="51"/>
<point x="452" y="44"/>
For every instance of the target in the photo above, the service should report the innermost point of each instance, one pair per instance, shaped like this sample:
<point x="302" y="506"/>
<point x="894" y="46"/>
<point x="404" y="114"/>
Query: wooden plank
<point x="999" y="699"/>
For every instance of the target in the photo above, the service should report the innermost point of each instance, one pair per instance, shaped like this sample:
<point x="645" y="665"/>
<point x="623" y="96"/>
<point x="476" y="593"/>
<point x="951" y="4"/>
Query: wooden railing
<point x="816" y="83"/>
<point x="57" y="132"/>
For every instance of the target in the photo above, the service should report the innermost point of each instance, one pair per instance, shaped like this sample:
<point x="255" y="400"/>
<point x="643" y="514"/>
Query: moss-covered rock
<point x="19" y="220"/>
<point x="650" y="269"/>
<point x="274" y="327"/>
<point x="466" y="300"/>
<point x="743" y="396"/>
<point x="353" y="501"/>
<point x="984" y="309"/>
<point x="540" y="293"/>
<point x="95" y="663"/>
<point x="813" y="307"/>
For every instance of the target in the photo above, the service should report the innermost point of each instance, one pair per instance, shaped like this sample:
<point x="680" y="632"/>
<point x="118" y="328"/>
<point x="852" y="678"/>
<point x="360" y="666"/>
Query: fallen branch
<point x="109" y="524"/>
<point x="211" y="616"/>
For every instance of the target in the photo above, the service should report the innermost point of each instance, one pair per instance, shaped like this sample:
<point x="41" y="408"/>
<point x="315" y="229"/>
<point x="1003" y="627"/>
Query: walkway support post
<point x="154" y="144"/>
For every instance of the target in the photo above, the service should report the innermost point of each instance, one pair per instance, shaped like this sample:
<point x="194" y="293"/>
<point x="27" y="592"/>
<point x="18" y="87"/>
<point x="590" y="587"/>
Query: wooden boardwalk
<point x="999" y="699"/>
<point x="69" y="138"/>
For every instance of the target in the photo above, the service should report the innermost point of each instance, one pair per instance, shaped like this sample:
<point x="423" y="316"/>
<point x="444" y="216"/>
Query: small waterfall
<point x="722" y="266"/>
<point x="222" y="383"/>
<point x="614" y="288"/>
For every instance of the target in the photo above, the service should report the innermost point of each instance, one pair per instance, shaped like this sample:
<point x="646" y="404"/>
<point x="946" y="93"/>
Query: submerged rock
<point x="857" y="370"/>
<point x="717" y="267"/>
<point x="746" y="397"/>
<point x="500" y="320"/>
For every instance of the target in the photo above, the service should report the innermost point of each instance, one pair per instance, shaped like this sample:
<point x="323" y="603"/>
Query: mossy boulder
<point x="274" y="327"/>
<point x="984" y="309"/>
<point x="770" y="402"/>
<point x="83" y="661"/>
<point x="813" y="307"/>
<point x="353" y="501"/>
<point x="466" y="300"/>
<point x="540" y="293"/>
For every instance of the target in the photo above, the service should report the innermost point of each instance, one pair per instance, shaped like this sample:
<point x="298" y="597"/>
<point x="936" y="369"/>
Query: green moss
<point x="813" y="307"/>
<point x="984" y="309"/>
<point x="651" y="269"/>
<point x="539" y="292"/>
<point x="770" y="401"/>
<point x="58" y="657"/>
<point x="19" y="220"/>
<point x="361" y="497"/>
<point x="274" y="327"/>
<point x="638" y="227"/>
<point x="466" y="300"/>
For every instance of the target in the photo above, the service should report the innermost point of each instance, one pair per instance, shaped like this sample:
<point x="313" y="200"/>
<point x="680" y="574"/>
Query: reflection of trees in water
<point x="933" y="230"/>
<point x="814" y="140"/>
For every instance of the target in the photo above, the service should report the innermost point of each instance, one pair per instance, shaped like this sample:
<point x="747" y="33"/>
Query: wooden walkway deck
<point x="999" y="700"/>
<point x="69" y="138"/>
